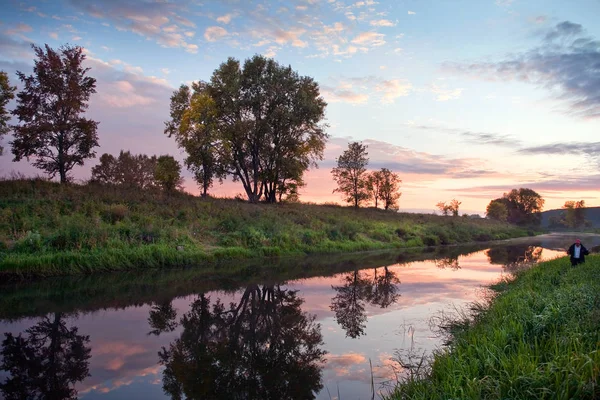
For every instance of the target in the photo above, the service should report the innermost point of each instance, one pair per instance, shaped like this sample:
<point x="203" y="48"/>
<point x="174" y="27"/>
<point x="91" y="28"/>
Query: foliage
<point x="130" y="170"/>
<point x="449" y="208"/>
<point x="523" y="206"/>
<point x="575" y="214"/>
<point x="351" y="174"/>
<point x="443" y="207"/>
<point x="167" y="173"/>
<point x="260" y="123"/>
<point x="497" y="210"/>
<point x="51" y="128"/>
<point x="537" y="339"/>
<point x="454" y="205"/>
<point x="49" y="229"/>
<point x="6" y="94"/>
<point x="390" y="189"/>
<point x="194" y="125"/>
<point x="374" y="183"/>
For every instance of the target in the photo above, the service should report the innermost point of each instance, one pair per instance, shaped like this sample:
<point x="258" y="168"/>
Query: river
<point x="320" y="327"/>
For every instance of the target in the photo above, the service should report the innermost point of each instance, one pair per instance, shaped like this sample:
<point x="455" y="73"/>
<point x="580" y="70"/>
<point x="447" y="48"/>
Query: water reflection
<point x="46" y="362"/>
<point x="450" y="262"/>
<point x="180" y="334"/>
<point x="514" y="257"/>
<point x="162" y="318"/>
<point x="358" y="289"/>
<point x="262" y="347"/>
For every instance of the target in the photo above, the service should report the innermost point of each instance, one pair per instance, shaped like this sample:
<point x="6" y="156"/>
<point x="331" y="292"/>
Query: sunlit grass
<point x="51" y="229"/>
<point x="539" y="338"/>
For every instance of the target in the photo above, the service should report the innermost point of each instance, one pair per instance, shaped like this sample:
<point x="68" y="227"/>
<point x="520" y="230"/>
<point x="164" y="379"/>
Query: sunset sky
<point x="463" y="99"/>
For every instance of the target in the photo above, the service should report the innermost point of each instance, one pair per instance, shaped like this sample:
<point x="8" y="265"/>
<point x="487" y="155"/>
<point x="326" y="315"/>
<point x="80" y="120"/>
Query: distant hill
<point x="592" y="214"/>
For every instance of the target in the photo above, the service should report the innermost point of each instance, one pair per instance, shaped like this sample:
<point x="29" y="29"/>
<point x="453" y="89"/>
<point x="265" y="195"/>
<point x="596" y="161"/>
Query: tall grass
<point x="51" y="229"/>
<point x="539" y="338"/>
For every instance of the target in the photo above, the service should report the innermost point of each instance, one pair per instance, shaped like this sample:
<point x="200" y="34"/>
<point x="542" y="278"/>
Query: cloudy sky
<point x="464" y="99"/>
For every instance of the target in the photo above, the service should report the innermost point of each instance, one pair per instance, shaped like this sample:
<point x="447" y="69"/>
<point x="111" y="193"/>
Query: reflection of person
<point x="577" y="251"/>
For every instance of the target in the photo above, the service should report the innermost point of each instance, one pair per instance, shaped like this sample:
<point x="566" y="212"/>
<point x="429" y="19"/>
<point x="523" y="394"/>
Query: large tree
<point x="49" y="109"/>
<point x="351" y="174"/>
<point x="523" y="206"/>
<point x="194" y="125"/>
<point x="6" y="94"/>
<point x="262" y="121"/>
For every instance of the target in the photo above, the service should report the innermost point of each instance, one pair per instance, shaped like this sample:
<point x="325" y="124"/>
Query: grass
<point x="537" y="338"/>
<point x="47" y="229"/>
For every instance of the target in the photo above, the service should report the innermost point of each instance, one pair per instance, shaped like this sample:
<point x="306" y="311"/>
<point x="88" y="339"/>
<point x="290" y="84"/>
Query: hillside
<point x="592" y="214"/>
<point x="49" y="229"/>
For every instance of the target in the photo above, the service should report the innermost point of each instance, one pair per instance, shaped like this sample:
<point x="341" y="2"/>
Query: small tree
<point x="6" y="94"/>
<point x="126" y="170"/>
<point x="496" y="210"/>
<point x="350" y="174"/>
<point x="443" y="207"/>
<point x="389" y="191"/>
<point x="51" y="128"/>
<point x="168" y="173"/>
<point x="374" y="183"/>
<point x="575" y="213"/>
<point x="454" y="205"/>
<point x="105" y="171"/>
<point x="194" y="125"/>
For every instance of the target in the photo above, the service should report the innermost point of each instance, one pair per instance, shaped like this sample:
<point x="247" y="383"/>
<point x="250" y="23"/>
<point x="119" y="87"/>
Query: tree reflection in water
<point x="358" y="289"/>
<point x="162" y="318"/>
<point x="263" y="347"/>
<point x="447" y="262"/>
<point x="514" y="257"/>
<point x="46" y="363"/>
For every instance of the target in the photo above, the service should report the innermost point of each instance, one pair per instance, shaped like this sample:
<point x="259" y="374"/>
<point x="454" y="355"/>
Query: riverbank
<point x="538" y="338"/>
<point x="49" y="229"/>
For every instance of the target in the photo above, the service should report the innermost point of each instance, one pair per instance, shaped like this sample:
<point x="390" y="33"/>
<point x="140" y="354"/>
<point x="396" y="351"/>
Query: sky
<point x="463" y="99"/>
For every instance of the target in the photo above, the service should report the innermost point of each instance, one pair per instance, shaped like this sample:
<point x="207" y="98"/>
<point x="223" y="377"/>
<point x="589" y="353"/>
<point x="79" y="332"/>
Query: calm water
<point x="304" y="333"/>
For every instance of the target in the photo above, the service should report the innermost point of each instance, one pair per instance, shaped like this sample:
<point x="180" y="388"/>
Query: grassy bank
<point x="47" y="229"/>
<point x="539" y="338"/>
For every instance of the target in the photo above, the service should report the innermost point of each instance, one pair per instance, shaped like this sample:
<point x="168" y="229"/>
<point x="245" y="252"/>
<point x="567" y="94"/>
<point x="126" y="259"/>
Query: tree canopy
<point x="497" y="210"/>
<point x="51" y="128"/>
<point x="260" y="123"/>
<point x="132" y="170"/>
<point x="168" y="173"/>
<point x="524" y="206"/>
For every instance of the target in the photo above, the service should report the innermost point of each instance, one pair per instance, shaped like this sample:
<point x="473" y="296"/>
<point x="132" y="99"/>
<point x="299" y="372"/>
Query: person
<point x="577" y="251"/>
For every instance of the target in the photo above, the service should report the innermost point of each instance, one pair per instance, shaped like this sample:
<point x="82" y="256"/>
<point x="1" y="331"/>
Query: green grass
<point x="47" y="229"/>
<point x="538" y="338"/>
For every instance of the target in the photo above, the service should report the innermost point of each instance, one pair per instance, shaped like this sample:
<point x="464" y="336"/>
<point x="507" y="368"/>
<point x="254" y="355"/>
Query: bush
<point x="114" y="213"/>
<point x="30" y="243"/>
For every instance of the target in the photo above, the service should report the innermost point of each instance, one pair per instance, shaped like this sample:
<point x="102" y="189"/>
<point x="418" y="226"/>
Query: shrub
<point x="114" y="213"/>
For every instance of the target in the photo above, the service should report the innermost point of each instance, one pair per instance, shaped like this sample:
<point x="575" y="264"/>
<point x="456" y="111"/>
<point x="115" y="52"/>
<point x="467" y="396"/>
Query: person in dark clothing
<point x="577" y="251"/>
